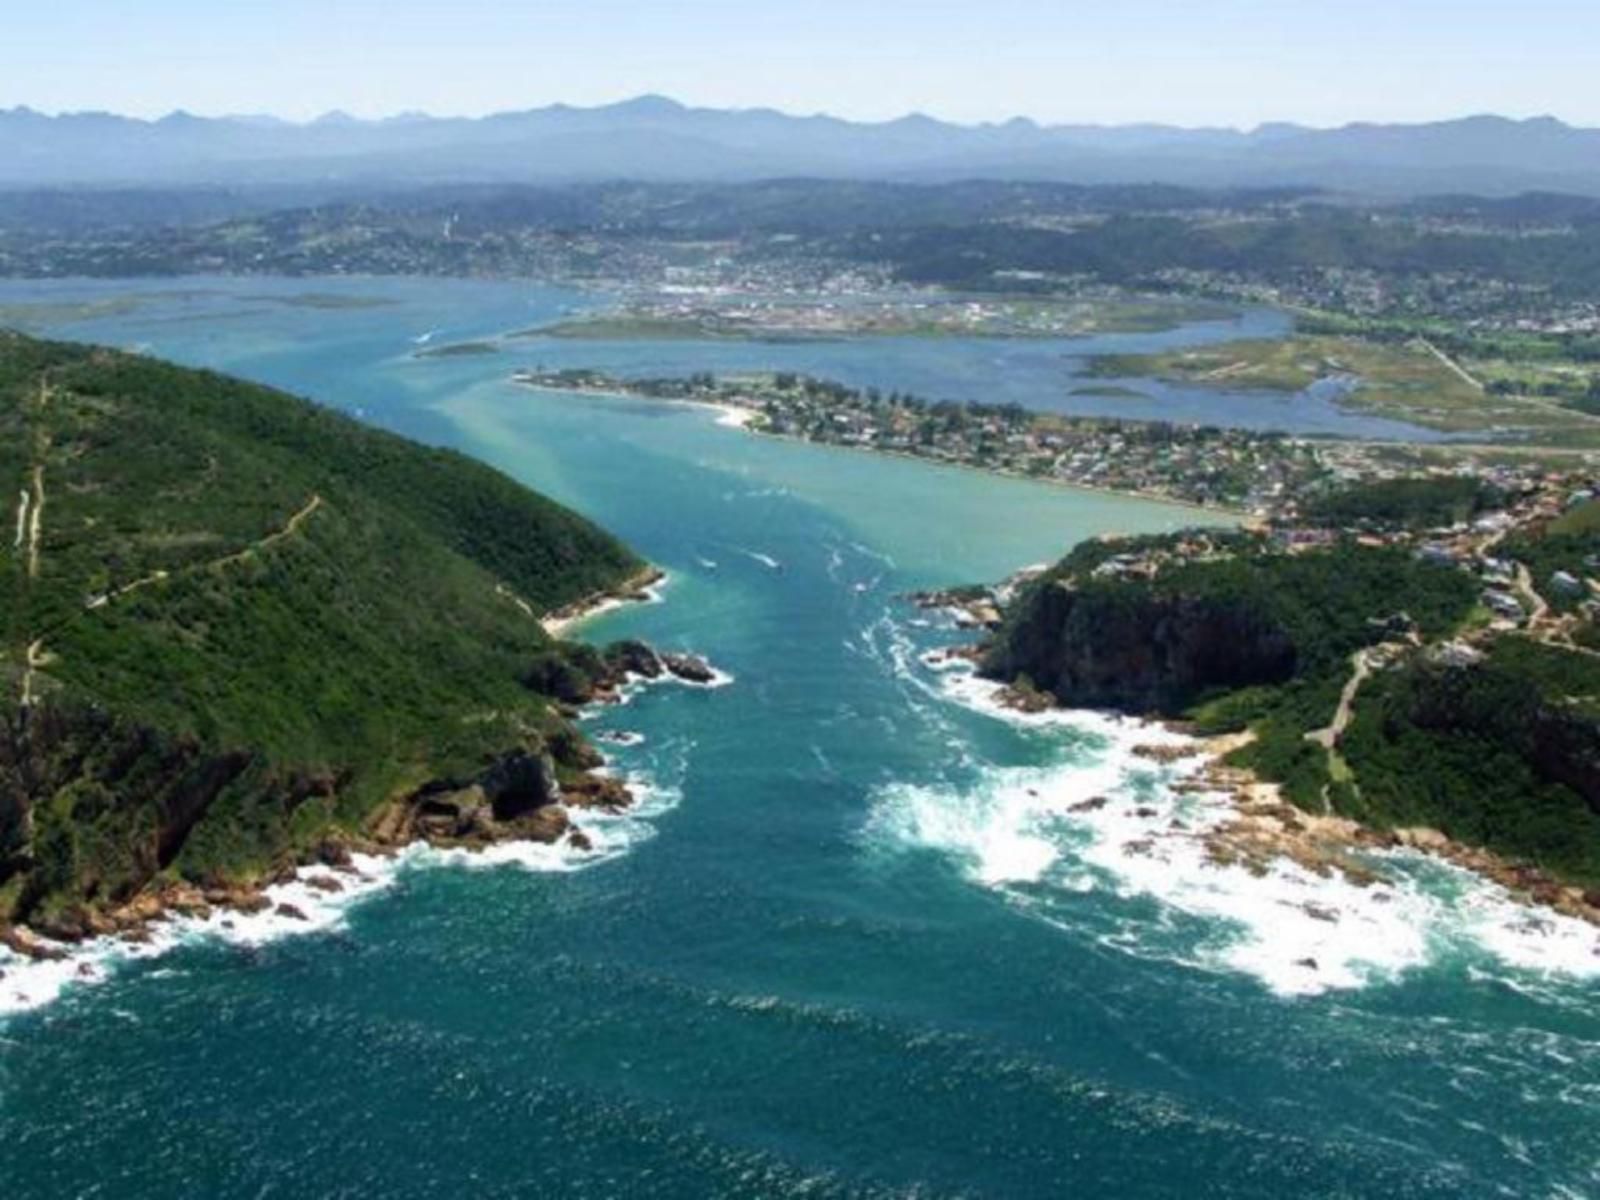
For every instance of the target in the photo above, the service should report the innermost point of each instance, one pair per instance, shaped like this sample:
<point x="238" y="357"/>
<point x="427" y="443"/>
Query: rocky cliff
<point x="1130" y="648"/>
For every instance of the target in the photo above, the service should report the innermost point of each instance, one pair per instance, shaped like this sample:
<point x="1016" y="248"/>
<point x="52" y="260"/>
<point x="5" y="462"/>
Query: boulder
<point x="599" y="791"/>
<point x="690" y="668"/>
<point x="633" y="657"/>
<point x="333" y="854"/>
<point x="19" y="939"/>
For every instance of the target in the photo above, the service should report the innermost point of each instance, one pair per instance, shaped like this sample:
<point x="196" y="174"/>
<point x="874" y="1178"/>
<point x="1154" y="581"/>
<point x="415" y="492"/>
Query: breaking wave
<point x="1098" y="819"/>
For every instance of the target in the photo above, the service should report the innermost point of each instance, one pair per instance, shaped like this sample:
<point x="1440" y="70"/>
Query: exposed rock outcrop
<point x="1135" y="651"/>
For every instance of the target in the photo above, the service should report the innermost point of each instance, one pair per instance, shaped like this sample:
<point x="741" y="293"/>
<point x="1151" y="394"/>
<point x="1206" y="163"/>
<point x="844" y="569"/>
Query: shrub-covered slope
<point x="232" y="621"/>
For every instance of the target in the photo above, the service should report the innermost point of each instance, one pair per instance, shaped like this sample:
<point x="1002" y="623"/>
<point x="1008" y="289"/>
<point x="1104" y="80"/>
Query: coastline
<point x="642" y="587"/>
<point x="591" y="819"/>
<point x="1310" y="903"/>
<point x="1266" y="825"/>
<point x="745" y="418"/>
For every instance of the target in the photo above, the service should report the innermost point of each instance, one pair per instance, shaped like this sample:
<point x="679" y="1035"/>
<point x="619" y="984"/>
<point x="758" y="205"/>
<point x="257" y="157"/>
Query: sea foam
<point x="1103" y="819"/>
<point x="26" y="985"/>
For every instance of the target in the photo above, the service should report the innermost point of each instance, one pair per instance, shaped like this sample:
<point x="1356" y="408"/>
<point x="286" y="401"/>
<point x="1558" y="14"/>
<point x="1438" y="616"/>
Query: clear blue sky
<point x="1191" y="62"/>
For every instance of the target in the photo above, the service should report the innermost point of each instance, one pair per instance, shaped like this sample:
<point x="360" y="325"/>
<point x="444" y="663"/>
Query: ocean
<point x="863" y="937"/>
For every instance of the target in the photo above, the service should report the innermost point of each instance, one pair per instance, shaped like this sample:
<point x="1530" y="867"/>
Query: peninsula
<point x="240" y="633"/>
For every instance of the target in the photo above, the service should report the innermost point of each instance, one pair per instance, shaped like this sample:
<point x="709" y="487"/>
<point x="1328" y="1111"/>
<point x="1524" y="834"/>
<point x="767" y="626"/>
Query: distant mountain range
<point x="655" y="138"/>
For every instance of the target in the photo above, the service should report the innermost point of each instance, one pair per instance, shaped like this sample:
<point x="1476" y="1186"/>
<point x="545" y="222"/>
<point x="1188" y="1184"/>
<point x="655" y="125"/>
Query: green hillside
<point x="231" y="620"/>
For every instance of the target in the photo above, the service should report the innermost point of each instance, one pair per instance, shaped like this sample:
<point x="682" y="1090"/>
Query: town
<point x="1266" y="477"/>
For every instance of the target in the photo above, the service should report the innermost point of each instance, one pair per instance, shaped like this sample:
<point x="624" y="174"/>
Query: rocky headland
<point x="1243" y="654"/>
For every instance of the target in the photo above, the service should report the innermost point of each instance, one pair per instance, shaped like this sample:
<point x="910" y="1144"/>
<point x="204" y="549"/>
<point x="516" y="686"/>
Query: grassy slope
<point x="373" y="644"/>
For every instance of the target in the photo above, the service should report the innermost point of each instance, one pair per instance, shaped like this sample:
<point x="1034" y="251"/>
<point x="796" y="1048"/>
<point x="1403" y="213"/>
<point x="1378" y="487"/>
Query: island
<point x="241" y="633"/>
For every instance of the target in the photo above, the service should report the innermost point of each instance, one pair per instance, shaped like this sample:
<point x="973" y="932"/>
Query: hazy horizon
<point x="1402" y="62"/>
<point x="400" y="114"/>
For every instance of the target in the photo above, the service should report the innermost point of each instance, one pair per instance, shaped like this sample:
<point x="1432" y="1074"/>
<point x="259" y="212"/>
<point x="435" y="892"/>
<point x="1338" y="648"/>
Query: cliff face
<point x="1136" y="650"/>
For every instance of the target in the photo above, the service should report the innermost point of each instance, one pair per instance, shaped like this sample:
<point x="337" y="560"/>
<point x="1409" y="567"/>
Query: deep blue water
<point x="860" y="947"/>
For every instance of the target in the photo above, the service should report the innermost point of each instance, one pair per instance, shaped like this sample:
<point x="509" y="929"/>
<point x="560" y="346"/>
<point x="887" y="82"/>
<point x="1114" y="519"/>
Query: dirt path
<point x="1539" y="607"/>
<point x="501" y="589"/>
<point x="1328" y="736"/>
<point x="24" y="499"/>
<point x="36" y="521"/>
<point x="32" y="660"/>
<point x="1461" y="372"/>
<point x="290" y="528"/>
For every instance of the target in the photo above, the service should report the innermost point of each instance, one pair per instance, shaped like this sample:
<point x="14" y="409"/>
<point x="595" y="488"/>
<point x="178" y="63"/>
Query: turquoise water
<point x="858" y="944"/>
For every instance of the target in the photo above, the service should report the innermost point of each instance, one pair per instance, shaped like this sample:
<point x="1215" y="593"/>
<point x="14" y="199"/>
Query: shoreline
<point x="1267" y="825"/>
<point x="742" y="417"/>
<point x="1311" y="903"/>
<point x="1263" y="829"/>
<point x="590" y="820"/>
<point x="643" y="587"/>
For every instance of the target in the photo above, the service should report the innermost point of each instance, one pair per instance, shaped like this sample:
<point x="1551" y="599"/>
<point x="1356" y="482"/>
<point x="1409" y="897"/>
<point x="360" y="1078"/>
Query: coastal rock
<point x="633" y="657"/>
<point x="690" y="668"/>
<point x="599" y="791"/>
<point x="21" y="940"/>
<point x="290" y="912"/>
<point x="333" y="854"/>
<point x="1024" y="698"/>
<point x="546" y="825"/>
<point x="520" y="782"/>
<point x="1165" y="753"/>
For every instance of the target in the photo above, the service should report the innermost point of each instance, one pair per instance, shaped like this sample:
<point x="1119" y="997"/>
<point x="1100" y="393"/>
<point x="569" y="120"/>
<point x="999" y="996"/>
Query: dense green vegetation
<point x="1331" y="604"/>
<point x="1405" y="503"/>
<point x="1292" y="623"/>
<point x="1132" y="246"/>
<point x="252" y="620"/>
<point x="1505" y="754"/>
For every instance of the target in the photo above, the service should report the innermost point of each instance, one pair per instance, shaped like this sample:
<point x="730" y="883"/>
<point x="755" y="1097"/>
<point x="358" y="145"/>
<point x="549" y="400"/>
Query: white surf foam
<point x="26" y="985"/>
<point x="1042" y="834"/>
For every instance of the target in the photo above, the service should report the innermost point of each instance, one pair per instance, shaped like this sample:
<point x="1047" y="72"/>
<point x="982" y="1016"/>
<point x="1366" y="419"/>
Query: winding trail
<point x="1328" y="736"/>
<point x="32" y="660"/>
<point x="30" y="528"/>
<point x="290" y="528"/>
<point x="1539" y="607"/>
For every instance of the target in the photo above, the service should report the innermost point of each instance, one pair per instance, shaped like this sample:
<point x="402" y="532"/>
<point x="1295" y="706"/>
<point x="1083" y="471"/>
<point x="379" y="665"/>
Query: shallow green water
<point x="858" y="944"/>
